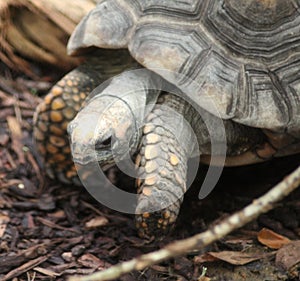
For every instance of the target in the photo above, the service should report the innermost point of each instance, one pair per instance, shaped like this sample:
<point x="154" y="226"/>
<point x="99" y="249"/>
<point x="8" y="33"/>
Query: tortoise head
<point x="104" y="131"/>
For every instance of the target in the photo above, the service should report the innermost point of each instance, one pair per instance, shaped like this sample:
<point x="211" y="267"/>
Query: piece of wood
<point x="23" y="37"/>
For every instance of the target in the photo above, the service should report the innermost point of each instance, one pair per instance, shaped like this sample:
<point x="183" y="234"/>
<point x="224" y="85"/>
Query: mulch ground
<point x="49" y="231"/>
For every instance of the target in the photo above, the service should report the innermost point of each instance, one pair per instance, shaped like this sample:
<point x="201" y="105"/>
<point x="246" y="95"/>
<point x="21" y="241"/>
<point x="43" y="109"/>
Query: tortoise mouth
<point x="87" y="155"/>
<point x="104" y="163"/>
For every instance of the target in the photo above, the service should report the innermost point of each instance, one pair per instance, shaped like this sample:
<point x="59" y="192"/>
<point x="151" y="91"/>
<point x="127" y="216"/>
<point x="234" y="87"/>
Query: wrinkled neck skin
<point x="107" y="129"/>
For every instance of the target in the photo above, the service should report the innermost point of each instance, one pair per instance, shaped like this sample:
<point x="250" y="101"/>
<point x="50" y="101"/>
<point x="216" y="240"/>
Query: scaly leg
<point x="166" y="146"/>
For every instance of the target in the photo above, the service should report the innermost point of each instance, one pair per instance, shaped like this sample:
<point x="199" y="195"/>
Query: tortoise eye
<point x="103" y="144"/>
<point x="107" y="142"/>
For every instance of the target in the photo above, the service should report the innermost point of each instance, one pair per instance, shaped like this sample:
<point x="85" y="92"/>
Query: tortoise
<point x="242" y="56"/>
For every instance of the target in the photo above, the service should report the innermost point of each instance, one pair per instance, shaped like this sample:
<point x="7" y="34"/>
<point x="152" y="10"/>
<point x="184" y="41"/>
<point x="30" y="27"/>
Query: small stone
<point x="67" y="256"/>
<point x="78" y="250"/>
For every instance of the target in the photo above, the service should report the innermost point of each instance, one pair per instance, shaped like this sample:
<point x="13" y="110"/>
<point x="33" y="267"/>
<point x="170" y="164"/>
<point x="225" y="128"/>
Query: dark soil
<point x="49" y="231"/>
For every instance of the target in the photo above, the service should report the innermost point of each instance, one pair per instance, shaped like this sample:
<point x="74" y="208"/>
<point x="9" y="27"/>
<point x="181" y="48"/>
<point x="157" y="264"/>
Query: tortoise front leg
<point x="165" y="149"/>
<point x="172" y="134"/>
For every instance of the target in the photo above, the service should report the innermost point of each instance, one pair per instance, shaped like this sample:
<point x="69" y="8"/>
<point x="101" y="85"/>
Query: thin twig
<point x="182" y="247"/>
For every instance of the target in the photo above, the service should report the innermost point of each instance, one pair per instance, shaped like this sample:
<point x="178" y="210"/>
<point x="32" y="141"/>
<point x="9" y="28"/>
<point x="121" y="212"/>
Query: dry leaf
<point x="236" y="258"/>
<point x="91" y="261"/>
<point x="272" y="239"/>
<point x="206" y="257"/>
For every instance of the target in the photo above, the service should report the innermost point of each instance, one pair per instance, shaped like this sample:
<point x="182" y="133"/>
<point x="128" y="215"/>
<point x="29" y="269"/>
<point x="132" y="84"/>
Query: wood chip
<point x="4" y="220"/>
<point x="96" y="222"/>
<point x="54" y="225"/>
<point x="45" y="271"/>
<point x="16" y="136"/>
<point x="4" y="138"/>
<point x="289" y="256"/>
<point x="25" y="267"/>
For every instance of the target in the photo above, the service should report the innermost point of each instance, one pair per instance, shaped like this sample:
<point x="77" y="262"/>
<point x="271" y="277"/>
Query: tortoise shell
<point x="242" y="55"/>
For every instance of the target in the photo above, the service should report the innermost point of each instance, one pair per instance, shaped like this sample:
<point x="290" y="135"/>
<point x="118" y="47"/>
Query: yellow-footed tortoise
<point x="229" y="59"/>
